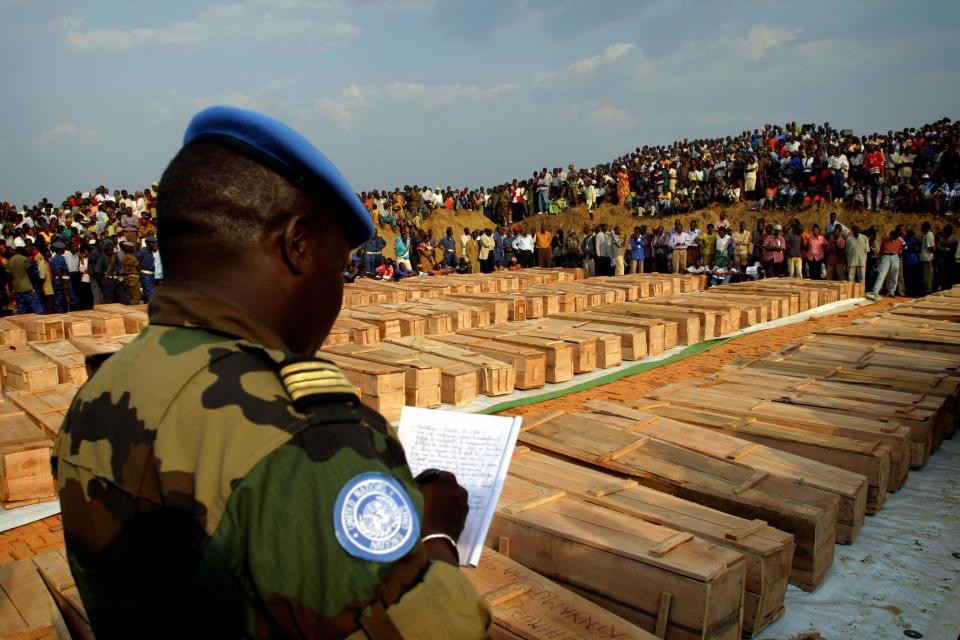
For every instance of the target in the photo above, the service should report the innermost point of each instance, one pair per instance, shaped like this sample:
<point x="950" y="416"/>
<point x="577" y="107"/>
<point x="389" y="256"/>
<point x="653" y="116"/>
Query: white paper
<point x="475" y="448"/>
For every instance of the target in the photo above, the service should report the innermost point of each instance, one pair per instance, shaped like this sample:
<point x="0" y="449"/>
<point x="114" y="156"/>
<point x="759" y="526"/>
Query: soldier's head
<point x="241" y="174"/>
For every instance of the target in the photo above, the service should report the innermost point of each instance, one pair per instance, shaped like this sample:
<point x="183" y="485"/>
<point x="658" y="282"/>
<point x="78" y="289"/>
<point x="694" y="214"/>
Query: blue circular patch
<point x="374" y="518"/>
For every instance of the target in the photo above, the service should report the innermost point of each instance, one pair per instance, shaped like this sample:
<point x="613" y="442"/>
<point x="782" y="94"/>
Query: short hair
<point x="211" y="194"/>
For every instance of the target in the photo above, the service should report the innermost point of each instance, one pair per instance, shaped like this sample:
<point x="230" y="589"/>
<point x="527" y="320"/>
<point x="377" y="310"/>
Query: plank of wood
<point x="545" y="610"/>
<point x="26" y="612"/>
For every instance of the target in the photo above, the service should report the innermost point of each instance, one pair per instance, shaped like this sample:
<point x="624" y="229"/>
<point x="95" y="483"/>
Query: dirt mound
<point x="438" y="222"/>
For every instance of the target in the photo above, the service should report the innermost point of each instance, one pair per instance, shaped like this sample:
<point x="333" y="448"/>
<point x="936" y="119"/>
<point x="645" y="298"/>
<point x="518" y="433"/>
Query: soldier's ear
<point x="294" y="237"/>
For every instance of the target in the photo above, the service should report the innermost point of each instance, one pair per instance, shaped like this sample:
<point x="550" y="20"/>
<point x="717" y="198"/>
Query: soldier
<point x="64" y="297"/>
<point x="373" y="252"/>
<point x="149" y="258"/>
<point x="130" y="266"/>
<point x="241" y="489"/>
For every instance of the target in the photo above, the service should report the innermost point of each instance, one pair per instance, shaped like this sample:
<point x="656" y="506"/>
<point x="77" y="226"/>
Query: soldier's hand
<point x="445" y="509"/>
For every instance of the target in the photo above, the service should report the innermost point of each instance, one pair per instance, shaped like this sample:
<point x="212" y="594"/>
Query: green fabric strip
<point x="691" y="350"/>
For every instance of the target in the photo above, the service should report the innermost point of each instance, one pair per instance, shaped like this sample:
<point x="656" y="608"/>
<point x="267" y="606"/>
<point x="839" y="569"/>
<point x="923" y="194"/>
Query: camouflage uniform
<point x="199" y="500"/>
<point x="131" y="278"/>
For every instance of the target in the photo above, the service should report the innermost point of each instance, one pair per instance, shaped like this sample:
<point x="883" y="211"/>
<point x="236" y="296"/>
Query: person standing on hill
<point x="816" y="244"/>
<point x="857" y="248"/>
<point x="678" y="242"/>
<point x="449" y="246"/>
<point x="542" y="245"/>
<point x="741" y="241"/>
<point x="487" y="246"/>
<point x="927" y="247"/>
<point x="28" y="300"/>
<point x="794" y="240"/>
<point x="889" y="269"/>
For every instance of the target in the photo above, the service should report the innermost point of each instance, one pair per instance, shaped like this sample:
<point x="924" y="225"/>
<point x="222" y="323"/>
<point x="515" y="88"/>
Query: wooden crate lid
<point x="552" y="511"/>
<point x="19" y="433"/>
<point x="24" y="361"/>
<point x="627" y="496"/>
<point x="547" y="608"/>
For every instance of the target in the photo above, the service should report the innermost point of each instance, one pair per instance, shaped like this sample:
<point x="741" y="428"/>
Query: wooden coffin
<point x="559" y="354"/>
<point x="527" y="606"/>
<point x="27" y="611"/>
<point x="607" y="347"/>
<point x="923" y="423"/>
<point x="806" y="512"/>
<point x="421" y="381"/>
<point x="494" y="376"/>
<point x="621" y="562"/>
<point x="71" y="366"/>
<point x="387" y="325"/>
<point x="104" y="323"/>
<point x="39" y="327"/>
<point x="689" y="326"/>
<point x="850" y="488"/>
<point x="55" y="571"/>
<point x="46" y="407"/>
<point x="12" y="334"/>
<point x="381" y="385"/>
<point x="25" y="474"/>
<point x="530" y="365"/>
<point x="27" y="369"/>
<point x="767" y="551"/>
<point x="868" y="459"/>
<point x="744" y="406"/>
<point x="661" y="335"/>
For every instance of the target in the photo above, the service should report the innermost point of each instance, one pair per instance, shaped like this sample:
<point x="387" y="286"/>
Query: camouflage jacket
<point x="198" y="472"/>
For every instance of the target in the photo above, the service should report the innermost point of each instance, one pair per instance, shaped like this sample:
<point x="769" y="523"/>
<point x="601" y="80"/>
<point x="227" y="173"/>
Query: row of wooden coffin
<point x="39" y="599"/>
<point x="395" y="357"/>
<point x="419" y="371"/>
<point x="793" y="458"/>
<point x="364" y="292"/>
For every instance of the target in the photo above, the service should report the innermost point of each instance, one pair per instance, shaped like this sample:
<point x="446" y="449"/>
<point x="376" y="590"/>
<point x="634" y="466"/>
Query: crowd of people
<point x="905" y="261"/>
<point x="94" y="248"/>
<point x="782" y="168"/>
<point x="100" y="247"/>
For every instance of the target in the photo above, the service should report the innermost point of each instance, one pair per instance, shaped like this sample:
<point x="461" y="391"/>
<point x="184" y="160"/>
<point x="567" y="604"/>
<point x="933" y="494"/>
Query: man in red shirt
<point x="874" y="165"/>
<point x="890" y="248"/>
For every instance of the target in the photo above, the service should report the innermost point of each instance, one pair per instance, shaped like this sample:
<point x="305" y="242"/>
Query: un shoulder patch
<point x="374" y="518"/>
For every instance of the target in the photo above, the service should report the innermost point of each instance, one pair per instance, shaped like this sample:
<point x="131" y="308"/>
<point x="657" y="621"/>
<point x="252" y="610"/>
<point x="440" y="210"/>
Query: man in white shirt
<point x="927" y="247"/>
<point x="839" y="165"/>
<point x="604" y="242"/>
<point x="523" y="248"/>
<point x="678" y="241"/>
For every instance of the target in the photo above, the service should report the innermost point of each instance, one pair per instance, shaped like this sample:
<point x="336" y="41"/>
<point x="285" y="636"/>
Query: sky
<point x="446" y="92"/>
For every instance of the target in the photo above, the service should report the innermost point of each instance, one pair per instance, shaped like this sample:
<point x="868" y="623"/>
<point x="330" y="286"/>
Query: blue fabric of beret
<point x="286" y="152"/>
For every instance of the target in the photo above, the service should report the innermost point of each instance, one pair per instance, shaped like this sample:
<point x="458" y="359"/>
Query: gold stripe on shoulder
<point x="305" y="379"/>
<point x="309" y="365"/>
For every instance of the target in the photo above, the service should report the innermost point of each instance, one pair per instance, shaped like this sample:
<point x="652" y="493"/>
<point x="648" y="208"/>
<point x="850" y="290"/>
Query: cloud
<point x="66" y="130"/>
<point x="609" y="115"/>
<point x="610" y="54"/>
<point x="277" y="96"/>
<point x="251" y="20"/>
<point x="762" y="38"/>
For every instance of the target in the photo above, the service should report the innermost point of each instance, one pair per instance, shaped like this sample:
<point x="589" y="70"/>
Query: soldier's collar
<point x="181" y="307"/>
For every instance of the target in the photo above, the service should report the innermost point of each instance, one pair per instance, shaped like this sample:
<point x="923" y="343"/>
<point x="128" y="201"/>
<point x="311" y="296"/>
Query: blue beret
<point x="286" y="152"/>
